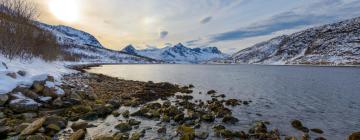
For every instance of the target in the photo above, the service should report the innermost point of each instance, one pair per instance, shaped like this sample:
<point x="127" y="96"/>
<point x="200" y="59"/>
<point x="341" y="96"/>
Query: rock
<point x="246" y="102"/>
<point x="114" y="103"/>
<point x="4" y="130"/>
<point x="115" y="114"/>
<point x="179" y="117"/>
<point x="320" y="138"/>
<point x="33" y="127"/>
<point x="135" y="136"/>
<point x="305" y="136"/>
<point x="299" y="126"/>
<point x="90" y="116"/>
<point x="81" y="109"/>
<point x="211" y="92"/>
<point x="12" y="75"/>
<point x="22" y="103"/>
<point x="38" y="86"/>
<point x="121" y="136"/>
<point x="162" y="130"/>
<point x="56" y="120"/>
<point x="3" y="99"/>
<point x="79" y="125"/>
<point x="103" y="137"/>
<point x="133" y="122"/>
<point x="354" y="136"/>
<point x="208" y="117"/>
<point x="4" y="64"/>
<point x="38" y="137"/>
<point x="230" y="119"/>
<point x="28" y="116"/>
<point x="232" y="102"/>
<point x="201" y="135"/>
<point x="57" y="102"/>
<point x="126" y="114"/>
<point x="241" y="135"/>
<point x="50" y="78"/>
<point x="31" y="94"/>
<point x="78" y="135"/>
<point x="52" y="129"/>
<point x="290" y="138"/>
<point x="21" y="73"/>
<point x="226" y="133"/>
<point x="2" y="115"/>
<point x="165" y="118"/>
<point x="186" y="133"/>
<point x="317" y="130"/>
<point x="123" y="127"/>
<point x="75" y="96"/>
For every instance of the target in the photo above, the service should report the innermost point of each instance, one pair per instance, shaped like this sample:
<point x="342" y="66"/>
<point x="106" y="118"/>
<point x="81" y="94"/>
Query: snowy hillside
<point x="333" y="44"/>
<point x="178" y="53"/>
<point x="88" y="48"/>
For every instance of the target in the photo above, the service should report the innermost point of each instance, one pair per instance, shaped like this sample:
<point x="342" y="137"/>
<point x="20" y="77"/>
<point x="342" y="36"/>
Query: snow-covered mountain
<point x="178" y="53"/>
<point x="69" y="36"/>
<point x="332" y="44"/>
<point x="88" y="48"/>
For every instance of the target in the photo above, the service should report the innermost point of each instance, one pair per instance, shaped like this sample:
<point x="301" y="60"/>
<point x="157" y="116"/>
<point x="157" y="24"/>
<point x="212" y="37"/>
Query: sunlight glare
<point x="65" y="10"/>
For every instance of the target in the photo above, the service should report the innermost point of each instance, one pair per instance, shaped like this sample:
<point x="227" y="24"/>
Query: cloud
<point x="314" y="14"/>
<point x="164" y="34"/>
<point x="206" y="20"/>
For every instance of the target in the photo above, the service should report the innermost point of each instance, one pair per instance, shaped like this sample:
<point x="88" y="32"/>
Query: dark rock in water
<point x="12" y="75"/>
<point x="297" y="124"/>
<point x="162" y="130"/>
<point x="305" y="136"/>
<point x="21" y="73"/>
<point x="191" y="86"/>
<point x="208" y="117"/>
<point x="79" y="125"/>
<point x="232" y="102"/>
<point x="211" y="92"/>
<point x="133" y="122"/>
<point x="81" y="109"/>
<point x="114" y="103"/>
<point x="354" y="136"/>
<point x="186" y="133"/>
<point x="126" y="114"/>
<point x="123" y="127"/>
<point x="78" y="135"/>
<point x="321" y="138"/>
<point x="121" y="136"/>
<point x="317" y="130"/>
<point x="3" y="99"/>
<point x="246" y="102"/>
<point x="4" y="131"/>
<point x="52" y="129"/>
<point x="241" y="135"/>
<point x="230" y="119"/>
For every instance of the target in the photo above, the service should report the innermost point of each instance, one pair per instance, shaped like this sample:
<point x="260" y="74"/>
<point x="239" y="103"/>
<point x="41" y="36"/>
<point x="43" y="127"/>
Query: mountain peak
<point x="130" y="49"/>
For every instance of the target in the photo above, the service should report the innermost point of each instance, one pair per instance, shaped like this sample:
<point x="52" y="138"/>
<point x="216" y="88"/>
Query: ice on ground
<point x="36" y="69"/>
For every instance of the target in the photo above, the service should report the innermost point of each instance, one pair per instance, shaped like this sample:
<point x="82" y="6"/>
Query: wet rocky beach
<point x="95" y="106"/>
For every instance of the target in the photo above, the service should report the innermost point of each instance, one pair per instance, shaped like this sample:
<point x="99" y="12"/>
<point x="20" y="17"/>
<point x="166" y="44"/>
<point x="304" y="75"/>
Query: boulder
<point x="354" y="136"/>
<point x="12" y="75"/>
<point x="186" y="133"/>
<point x="78" y="135"/>
<point x="123" y="127"/>
<point x="57" y="120"/>
<point x="57" y="102"/>
<point x="21" y="73"/>
<point x="3" y="99"/>
<point x="133" y="122"/>
<point x="79" y="125"/>
<point x="162" y="130"/>
<point x="38" y="137"/>
<point x="135" y="136"/>
<point x="317" y="130"/>
<point x="126" y="114"/>
<point x="21" y="103"/>
<point x="38" y="86"/>
<point x="121" y="136"/>
<point x="230" y="119"/>
<point x="33" y="127"/>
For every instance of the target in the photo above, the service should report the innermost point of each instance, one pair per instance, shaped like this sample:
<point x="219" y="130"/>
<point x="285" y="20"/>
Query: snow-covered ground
<point x="36" y="69"/>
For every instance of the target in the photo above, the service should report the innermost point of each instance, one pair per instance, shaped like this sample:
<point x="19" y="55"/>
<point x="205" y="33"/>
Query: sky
<point x="230" y="25"/>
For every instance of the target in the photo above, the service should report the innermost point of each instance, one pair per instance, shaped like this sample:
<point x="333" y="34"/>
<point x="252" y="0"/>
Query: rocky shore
<point x="52" y="109"/>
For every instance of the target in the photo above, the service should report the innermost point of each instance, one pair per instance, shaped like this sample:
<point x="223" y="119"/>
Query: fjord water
<point x="321" y="97"/>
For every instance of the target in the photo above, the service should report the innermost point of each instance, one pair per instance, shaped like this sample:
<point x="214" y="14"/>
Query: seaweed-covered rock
<point x="124" y="127"/>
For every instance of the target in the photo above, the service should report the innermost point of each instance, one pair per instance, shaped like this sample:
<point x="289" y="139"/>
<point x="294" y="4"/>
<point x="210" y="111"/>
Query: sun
<point x="64" y="10"/>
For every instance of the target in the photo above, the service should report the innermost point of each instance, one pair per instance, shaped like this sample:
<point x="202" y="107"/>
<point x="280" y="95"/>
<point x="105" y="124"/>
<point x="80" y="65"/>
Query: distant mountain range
<point x="333" y="44"/>
<point x="178" y="53"/>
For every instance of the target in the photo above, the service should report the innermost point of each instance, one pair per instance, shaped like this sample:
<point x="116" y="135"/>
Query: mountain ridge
<point x="178" y="53"/>
<point x="331" y="44"/>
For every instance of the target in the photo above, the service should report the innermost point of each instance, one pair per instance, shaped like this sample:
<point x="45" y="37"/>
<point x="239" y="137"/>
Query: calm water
<point x="321" y="97"/>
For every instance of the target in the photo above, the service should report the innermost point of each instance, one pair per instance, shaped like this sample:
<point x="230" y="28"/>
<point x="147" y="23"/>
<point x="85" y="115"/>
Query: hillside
<point x="178" y="53"/>
<point x="332" y="44"/>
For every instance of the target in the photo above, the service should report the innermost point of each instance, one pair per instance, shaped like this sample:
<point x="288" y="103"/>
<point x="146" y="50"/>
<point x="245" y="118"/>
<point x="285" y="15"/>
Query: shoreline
<point x="88" y="97"/>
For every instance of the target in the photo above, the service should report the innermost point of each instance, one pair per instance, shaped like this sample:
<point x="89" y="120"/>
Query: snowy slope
<point x="69" y="36"/>
<point x="333" y="44"/>
<point x="86" y="46"/>
<point x="179" y="53"/>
